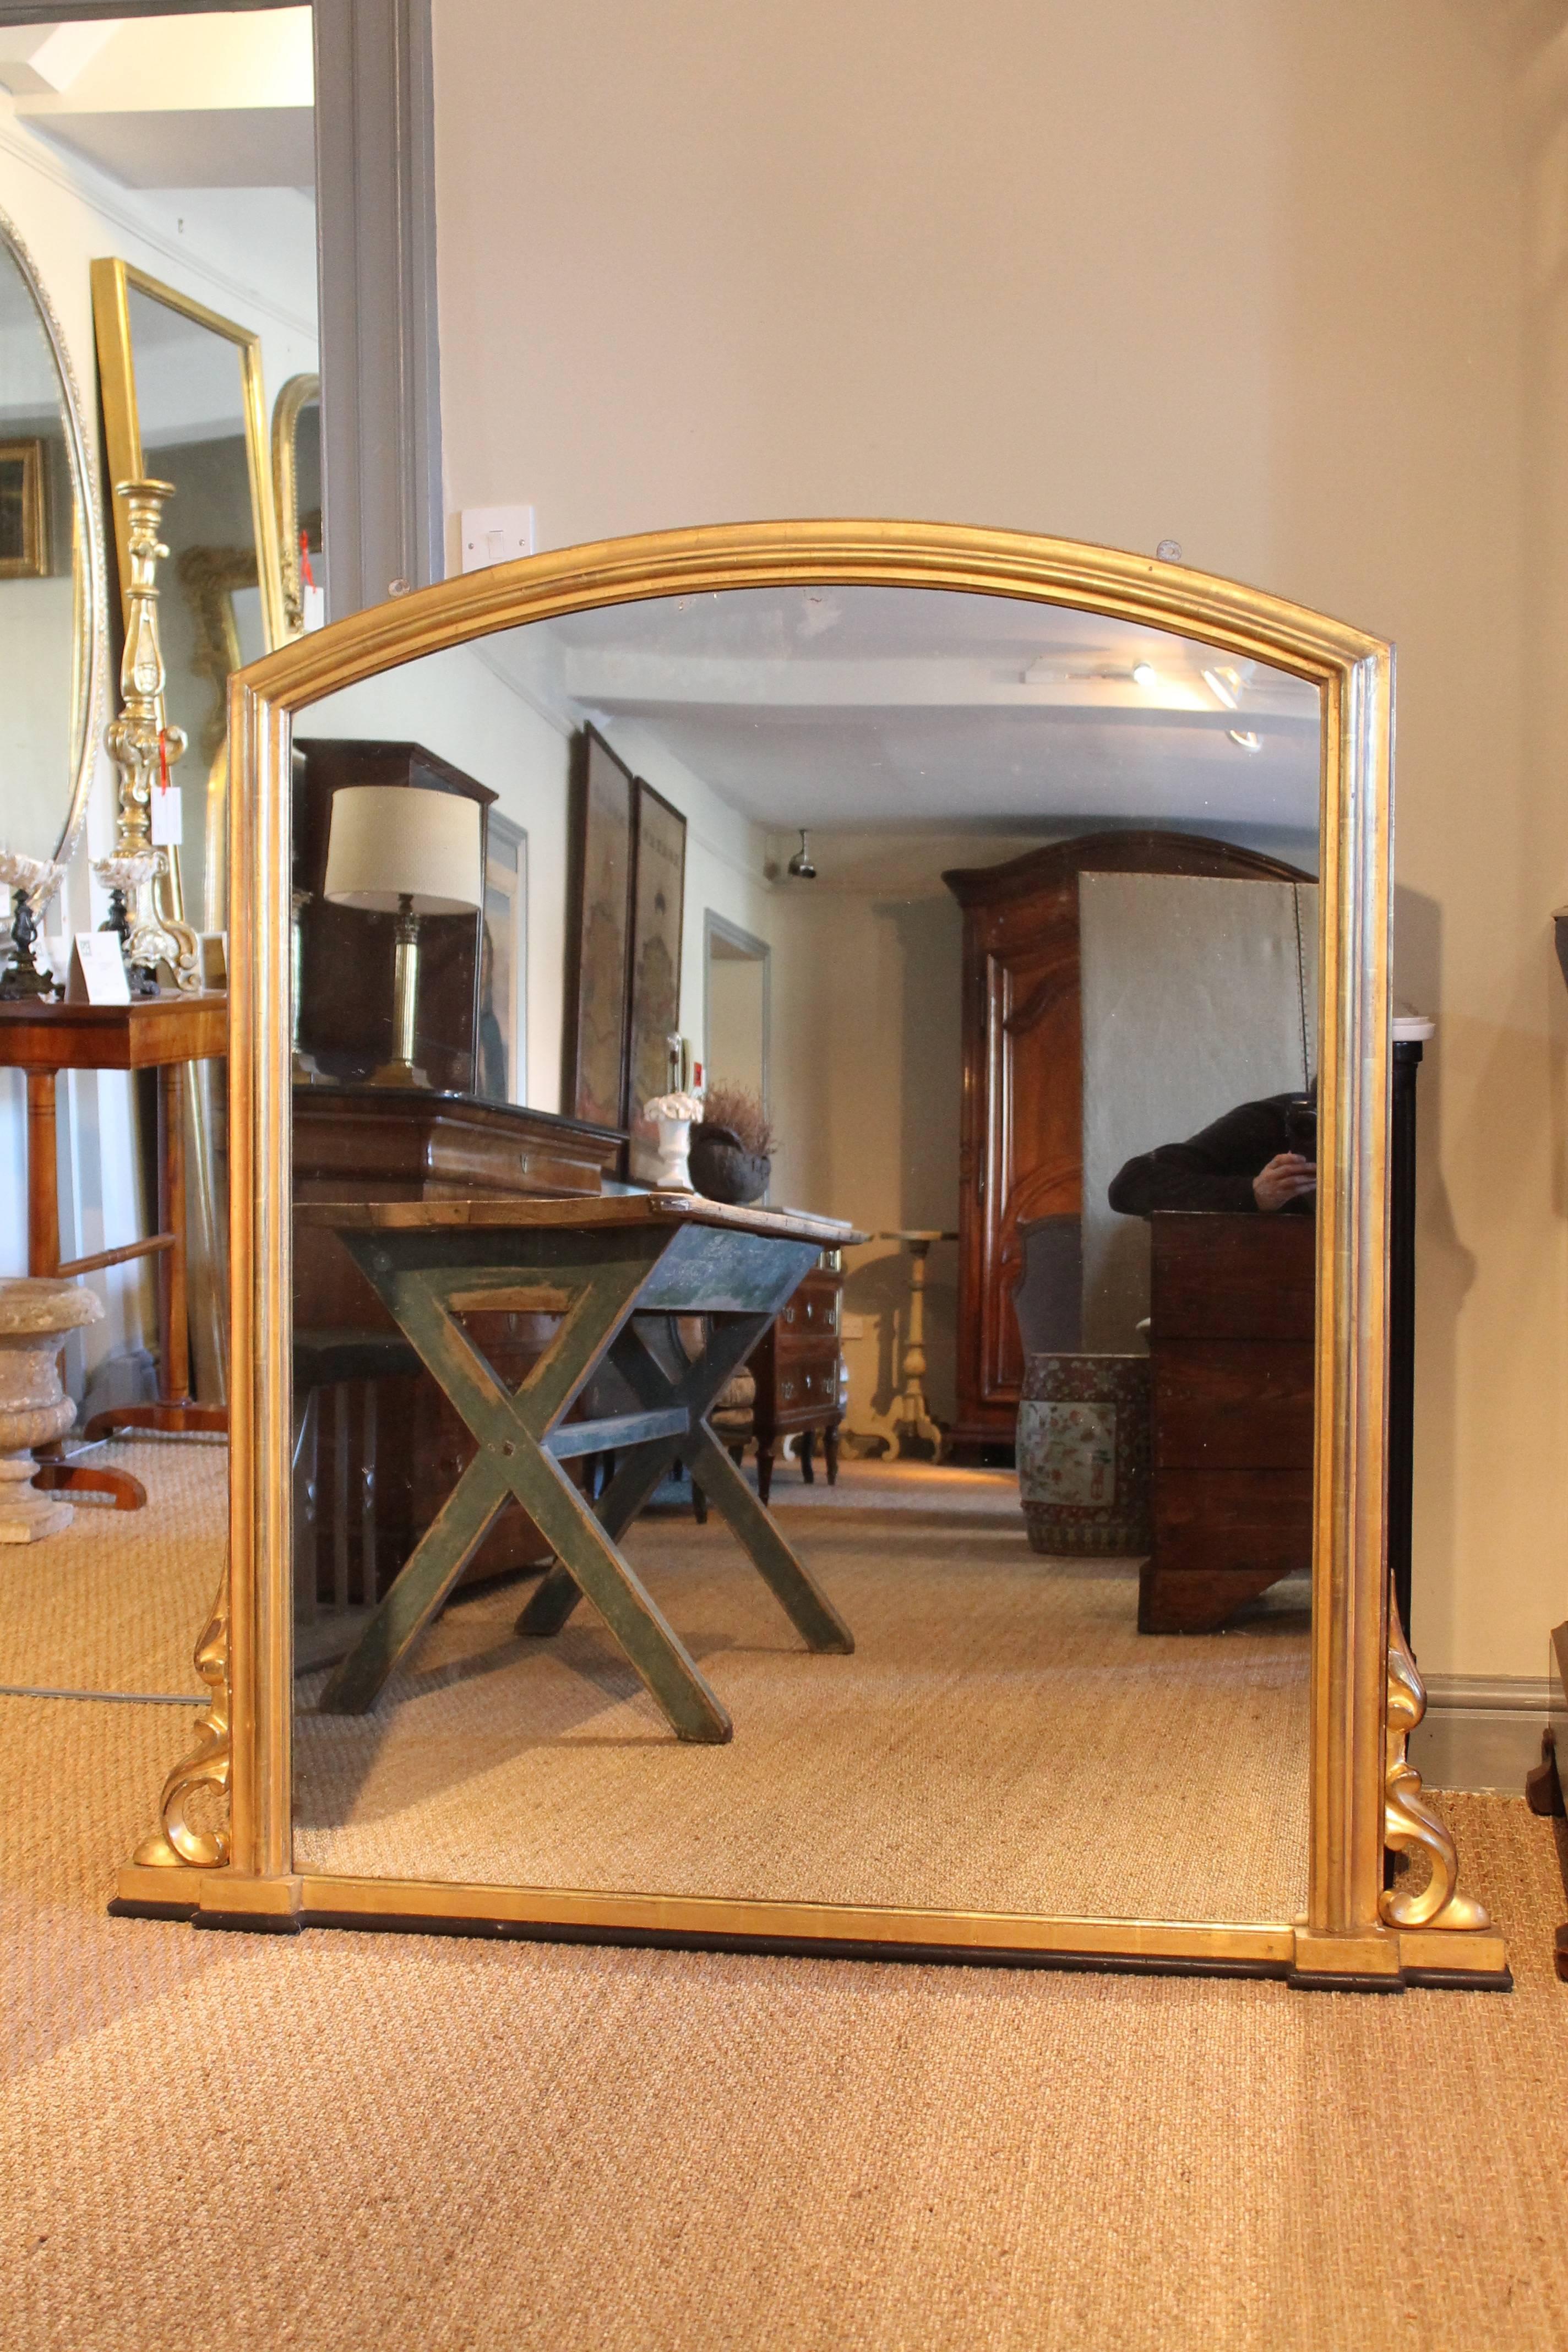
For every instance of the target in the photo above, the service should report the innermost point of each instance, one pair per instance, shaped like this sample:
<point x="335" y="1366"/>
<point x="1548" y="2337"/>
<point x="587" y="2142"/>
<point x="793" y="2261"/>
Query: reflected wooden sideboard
<point x="1232" y="1368"/>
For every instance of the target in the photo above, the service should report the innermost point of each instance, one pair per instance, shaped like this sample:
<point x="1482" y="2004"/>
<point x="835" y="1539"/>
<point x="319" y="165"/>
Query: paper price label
<point x="165" y="816"/>
<point x="98" y="974"/>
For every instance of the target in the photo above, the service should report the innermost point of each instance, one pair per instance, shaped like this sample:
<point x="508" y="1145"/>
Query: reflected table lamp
<point x="397" y="849"/>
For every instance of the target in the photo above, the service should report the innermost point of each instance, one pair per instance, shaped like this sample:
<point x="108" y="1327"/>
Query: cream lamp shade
<point x="394" y="843"/>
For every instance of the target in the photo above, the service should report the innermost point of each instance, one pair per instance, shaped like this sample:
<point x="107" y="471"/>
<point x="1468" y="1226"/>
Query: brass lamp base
<point x="399" y="1074"/>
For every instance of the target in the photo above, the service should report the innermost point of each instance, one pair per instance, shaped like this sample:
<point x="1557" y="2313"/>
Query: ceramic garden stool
<point x="34" y="1317"/>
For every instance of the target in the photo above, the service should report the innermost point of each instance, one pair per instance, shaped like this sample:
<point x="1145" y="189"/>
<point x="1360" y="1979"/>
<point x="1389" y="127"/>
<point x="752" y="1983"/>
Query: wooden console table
<point x="596" y="1264"/>
<point x="160" y="1032"/>
<point x="382" y="1449"/>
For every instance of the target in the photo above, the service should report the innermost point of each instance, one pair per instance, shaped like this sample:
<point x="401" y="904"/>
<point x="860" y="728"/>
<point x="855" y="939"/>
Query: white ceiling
<point x="850" y="707"/>
<point x="222" y="100"/>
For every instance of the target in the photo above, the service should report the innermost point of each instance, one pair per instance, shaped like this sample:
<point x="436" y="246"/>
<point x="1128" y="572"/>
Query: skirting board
<point x="1480" y="1731"/>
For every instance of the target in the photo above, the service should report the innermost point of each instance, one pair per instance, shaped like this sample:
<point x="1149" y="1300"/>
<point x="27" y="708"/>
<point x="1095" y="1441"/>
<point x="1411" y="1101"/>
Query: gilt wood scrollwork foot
<point x="207" y="1765"/>
<point x="1410" y="1822"/>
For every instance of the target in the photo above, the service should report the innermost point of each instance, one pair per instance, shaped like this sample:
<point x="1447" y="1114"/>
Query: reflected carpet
<point x="1002" y="1738"/>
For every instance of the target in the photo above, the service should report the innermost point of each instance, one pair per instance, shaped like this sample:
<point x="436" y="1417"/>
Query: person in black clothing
<point x="1248" y="1160"/>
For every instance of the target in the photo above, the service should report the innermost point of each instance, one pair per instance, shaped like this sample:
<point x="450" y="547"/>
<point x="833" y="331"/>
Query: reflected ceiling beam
<point x="650" y="683"/>
<point x="219" y="101"/>
<point x="36" y="58"/>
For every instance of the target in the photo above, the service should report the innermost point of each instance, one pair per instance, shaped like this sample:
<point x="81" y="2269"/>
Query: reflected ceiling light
<point x="800" y="864"/>
<point x="1248" y="741"/>
<point x="1145" y="673"/>
<point x="1225" y="686"/>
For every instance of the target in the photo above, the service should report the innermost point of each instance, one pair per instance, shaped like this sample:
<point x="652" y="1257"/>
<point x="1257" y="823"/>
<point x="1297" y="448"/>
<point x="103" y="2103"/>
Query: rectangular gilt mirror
<point x="183" y="402"/>
<point x="954" y="1529"/>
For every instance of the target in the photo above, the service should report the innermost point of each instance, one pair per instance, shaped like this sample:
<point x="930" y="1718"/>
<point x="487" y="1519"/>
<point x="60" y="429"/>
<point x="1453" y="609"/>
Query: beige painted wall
<point x="865" y="1097"/>
<point x="1284" y="283"/>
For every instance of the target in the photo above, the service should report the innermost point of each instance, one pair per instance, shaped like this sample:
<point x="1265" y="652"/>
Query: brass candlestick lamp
<point x="404" y="850"/>
<point x="143" y="747"/>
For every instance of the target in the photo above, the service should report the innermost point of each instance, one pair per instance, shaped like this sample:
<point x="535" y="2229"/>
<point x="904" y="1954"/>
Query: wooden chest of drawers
<point x="1232" y="1371"/>
<point x="796" y="1369"/>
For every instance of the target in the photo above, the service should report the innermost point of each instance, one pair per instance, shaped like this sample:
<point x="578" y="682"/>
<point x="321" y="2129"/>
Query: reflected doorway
<point x="735" y="1007"/>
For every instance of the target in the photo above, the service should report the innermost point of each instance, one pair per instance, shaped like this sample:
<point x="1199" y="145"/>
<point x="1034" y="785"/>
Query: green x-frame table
<point x="596" y="1262"/>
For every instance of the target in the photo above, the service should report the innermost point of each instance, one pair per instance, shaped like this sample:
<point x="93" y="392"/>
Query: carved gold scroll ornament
<point x="1412" y="1825"/>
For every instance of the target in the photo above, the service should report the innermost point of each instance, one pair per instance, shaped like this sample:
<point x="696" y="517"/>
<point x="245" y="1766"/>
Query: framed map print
<point x="598" y="946"/>
<point x="659" y="902"/>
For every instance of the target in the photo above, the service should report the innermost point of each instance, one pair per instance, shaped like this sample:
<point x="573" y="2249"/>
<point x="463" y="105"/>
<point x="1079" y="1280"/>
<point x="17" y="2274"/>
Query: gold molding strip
<point x="319" y="1898"/>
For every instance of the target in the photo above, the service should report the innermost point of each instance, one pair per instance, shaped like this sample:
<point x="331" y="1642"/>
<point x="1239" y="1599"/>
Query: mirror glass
<point x="194" y="411"/>
<point x="989" y="929"/>
<point x="44" y="587"/>
<point x="297" y="488"/>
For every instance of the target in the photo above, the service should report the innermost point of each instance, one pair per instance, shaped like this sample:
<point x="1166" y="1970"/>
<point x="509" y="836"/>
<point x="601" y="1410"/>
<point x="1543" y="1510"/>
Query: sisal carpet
<point x="412" y="2143"/>
<point x="1002" y="1738"/>
<point x="406" y="2144"/>
<point x="118" y="1600"/>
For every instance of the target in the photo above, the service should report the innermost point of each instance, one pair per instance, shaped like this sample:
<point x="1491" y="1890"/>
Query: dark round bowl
<point x="722" y="1169"/>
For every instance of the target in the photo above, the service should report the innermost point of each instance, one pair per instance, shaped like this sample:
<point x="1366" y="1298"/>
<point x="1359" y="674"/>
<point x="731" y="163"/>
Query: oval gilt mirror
<point x="51" y="582"/>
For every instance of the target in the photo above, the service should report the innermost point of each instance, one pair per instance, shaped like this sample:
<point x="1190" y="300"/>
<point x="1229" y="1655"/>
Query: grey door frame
<point x="755" y="950"/>
<point x="375" y="196"/>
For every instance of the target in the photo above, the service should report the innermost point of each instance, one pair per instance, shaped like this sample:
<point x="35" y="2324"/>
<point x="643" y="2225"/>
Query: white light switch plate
<point x="494" y="535"/>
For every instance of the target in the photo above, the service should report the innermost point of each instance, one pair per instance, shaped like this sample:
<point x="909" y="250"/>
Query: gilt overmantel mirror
<point x="1092" y="881"/>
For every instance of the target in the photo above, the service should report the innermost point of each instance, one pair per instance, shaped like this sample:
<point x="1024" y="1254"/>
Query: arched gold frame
<point x="1362" y="1789"/>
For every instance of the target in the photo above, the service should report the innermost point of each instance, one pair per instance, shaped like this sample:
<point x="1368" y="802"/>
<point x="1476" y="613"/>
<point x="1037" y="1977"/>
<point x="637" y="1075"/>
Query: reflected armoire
<point x="1021" y="1131"/>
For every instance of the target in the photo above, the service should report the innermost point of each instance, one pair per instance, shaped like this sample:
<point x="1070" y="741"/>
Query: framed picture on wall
<point x="503" y="1056"/>
<point x="658" y="901"/>
<point x="24" y="542"/>
<point x="599" y="944"/>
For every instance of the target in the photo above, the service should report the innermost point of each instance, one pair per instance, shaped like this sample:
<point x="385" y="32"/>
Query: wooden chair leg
<point x="803" y="1445"/>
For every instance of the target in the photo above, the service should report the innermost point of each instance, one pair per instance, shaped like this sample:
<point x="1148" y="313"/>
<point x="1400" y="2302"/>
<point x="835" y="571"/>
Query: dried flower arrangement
<point x="731" y="1147"/>
<point x="742" y="1117"/>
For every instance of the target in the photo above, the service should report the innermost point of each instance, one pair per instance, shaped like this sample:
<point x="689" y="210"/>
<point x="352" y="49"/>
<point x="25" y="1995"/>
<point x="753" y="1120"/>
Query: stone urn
<point x="34" y="1317"/>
